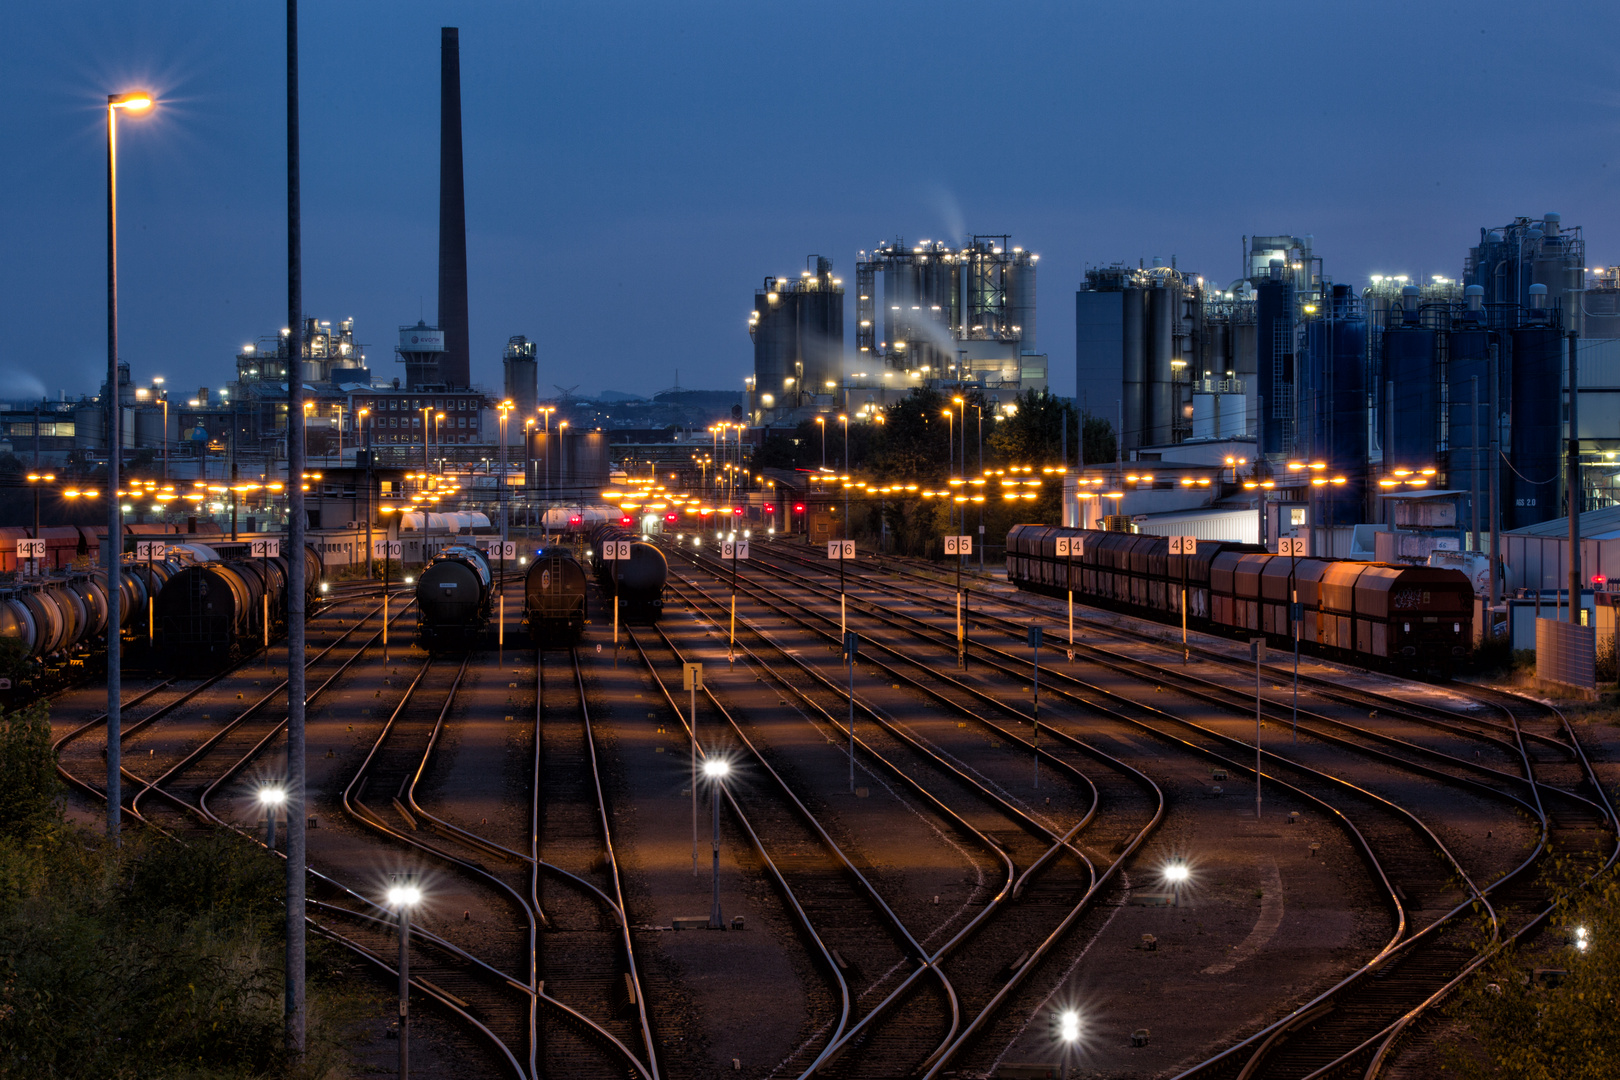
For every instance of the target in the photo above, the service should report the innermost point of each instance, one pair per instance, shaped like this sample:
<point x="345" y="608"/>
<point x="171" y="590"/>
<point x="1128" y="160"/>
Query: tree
<point x="1098" y="440"/>
<point x="1033" y="433"/>
<point x="915" y="442"/>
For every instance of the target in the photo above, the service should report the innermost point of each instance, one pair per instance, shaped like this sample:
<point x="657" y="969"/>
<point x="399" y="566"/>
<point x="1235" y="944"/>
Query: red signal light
<point x="624" y="521"/>
<point x="671" y="518"/>
<point x="770" y="508"/>
<point x="798" y="508"/>
<point x="737" y="512"/>
<point x="575" y="520"/>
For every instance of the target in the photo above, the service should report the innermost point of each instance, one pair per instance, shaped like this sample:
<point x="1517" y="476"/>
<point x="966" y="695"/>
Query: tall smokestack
<point x="455" y="366"/>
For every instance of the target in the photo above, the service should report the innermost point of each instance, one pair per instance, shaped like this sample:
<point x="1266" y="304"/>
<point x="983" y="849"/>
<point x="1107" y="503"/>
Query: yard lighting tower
<point x="404" y="895"/>
<point x="715" y="770"/>
<point x="135" y="102"/>
<point x="273" y="798"/>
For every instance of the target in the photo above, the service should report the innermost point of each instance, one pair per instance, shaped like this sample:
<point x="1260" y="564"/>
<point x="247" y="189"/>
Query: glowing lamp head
<point x="1176" y="874"/>
<point x="1069" y="1026"/>
<point x="134" y="101"/>
<point x="404" y="896"/>
<point x="716" y="768"/>
<point x="272" y="796"/>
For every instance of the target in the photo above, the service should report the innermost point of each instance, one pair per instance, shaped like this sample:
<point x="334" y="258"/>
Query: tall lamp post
<point x="163" y="398"/>
<point x="545" y="444"/>
<point x="821" y="422"/>
<point x="361" y="417"/>
<point x="136" y="102"/>
<point x="506" y="408"/>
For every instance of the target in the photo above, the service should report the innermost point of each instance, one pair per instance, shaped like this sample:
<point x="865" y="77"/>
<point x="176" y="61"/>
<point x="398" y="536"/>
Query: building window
<point x="1296" y="517"/>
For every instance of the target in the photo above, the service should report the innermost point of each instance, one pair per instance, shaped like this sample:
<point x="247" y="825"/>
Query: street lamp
<point x="506" y="408"/>
<point x="821" y="422"/>
<point x="37" y="479"/>
<point x="404" y="895"/>
<point x="716" y="769"/>
<point x="427" y="428"/>
<point x="163" y="398"/>
<point x="273" y="799"/>
<point x="137" y="102"/>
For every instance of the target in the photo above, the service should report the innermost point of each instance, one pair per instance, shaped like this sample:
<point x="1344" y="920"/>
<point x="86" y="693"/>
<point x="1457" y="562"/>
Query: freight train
<point x="212" y="613"/>
<point x="639" y="581"/>
<point x="554" y="596"/>
<point x="1410" y="618"/>
<point x="59" y="614"/>
<point x="453" y="598"/>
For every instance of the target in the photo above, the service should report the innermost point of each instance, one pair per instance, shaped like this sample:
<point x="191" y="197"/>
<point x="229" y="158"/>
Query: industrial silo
<point x="1530" y="476"/>
<point x="1334" y="402"/>
<point x="798" y="332"/>
<point x="1135" y="370"/>
<point x="1161" y="302"/>
<point x="1411" y="418"/>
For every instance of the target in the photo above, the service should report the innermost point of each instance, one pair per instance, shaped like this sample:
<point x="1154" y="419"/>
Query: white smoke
<point x="951" y="218"/>
<point x="19" y="385"/>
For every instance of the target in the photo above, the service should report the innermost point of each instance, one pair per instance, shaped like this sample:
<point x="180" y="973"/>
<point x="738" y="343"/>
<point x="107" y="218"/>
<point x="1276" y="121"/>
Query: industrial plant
<point x="926" y="315"/>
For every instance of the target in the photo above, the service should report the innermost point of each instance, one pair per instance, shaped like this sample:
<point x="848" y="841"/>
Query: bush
<point x="30" y="793"/>
<point x="154" y="959"/>
<point x="1525" y="1028"/>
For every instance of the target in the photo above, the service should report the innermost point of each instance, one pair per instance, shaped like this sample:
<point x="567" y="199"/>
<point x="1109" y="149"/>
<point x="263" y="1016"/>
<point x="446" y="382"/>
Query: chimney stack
<point x="455" y="366"/>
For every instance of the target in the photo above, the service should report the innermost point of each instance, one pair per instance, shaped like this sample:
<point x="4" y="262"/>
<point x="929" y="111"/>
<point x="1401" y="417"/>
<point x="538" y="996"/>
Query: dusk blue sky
<point x="635" y="169"/>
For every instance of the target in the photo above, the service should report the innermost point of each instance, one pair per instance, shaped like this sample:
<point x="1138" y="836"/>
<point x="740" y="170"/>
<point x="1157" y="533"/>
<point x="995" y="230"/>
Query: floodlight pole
<point x="297" y="808"/>
<point x="716" y="920"/>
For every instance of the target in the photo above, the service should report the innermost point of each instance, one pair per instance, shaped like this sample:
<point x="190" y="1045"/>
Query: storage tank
<point x="1020" y="280"/>
<point x="797" y="328"/>
<point x="1162" y="302"/>
<point x="1530" y="486"/>
<point x="1334" y="398"/>
<point x="1412" y="421"/>
<point x="1134" y="357"/>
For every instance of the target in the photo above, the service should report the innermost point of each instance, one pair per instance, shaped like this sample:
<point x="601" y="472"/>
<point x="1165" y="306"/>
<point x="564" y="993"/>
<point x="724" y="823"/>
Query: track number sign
<point x="498" y="549"/>
<point x="1293" y="545"/>
<point x="1071" y="547"/>
<point x="734" y="549"/>
<point x="30" y="549"/>
<point x="616" y="550"/>
<point x="959" y="545"/>
<point x="264" y="549"/>
<point x="840" y="549"/>
<point x="150" y="549"/>
<point x="1184" y="545"/>
<point x="384" y="549"/>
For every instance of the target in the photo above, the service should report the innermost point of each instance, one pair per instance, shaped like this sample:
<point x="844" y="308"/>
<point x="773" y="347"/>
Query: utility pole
<point x="1496" y="479"/>
<point x="297" y="807"/>
<point x="1573" y="486"/>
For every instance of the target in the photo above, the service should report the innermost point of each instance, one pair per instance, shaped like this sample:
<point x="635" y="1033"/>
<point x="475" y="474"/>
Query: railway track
<point x="1349" y="1028"/>
<point x="1005" y="950"/>
<point x="208" y="693"/>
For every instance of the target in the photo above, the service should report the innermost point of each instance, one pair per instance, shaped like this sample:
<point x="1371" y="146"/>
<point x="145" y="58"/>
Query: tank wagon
<point x="211" y="613"/>
<point x="61" y="613"/>
<point x="554" y="596"/>
<point x="453" y="598"/>
<point x="1413" y="618"/>
<point x="638" y="581"/>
